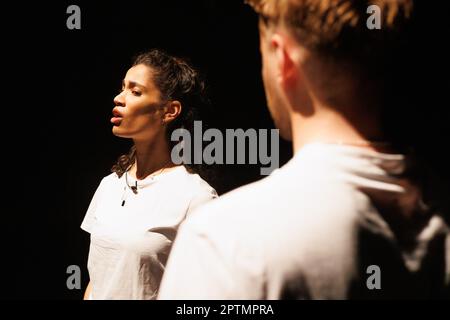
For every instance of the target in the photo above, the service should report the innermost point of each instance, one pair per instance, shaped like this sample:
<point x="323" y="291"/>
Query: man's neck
<point x="329" y="126"/>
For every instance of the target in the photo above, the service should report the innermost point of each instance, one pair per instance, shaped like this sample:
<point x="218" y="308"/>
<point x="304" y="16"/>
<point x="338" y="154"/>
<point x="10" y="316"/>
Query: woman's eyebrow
<point x="133" y="84"/>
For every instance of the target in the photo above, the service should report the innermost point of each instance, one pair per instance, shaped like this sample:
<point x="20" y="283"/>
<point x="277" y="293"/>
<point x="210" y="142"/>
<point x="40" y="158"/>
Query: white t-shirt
<point x="317" y="228"/>
<point x="130" y="243"/>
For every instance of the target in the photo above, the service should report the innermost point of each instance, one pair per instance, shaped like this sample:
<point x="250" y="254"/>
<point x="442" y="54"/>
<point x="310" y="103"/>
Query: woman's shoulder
<point x="109" y="179"/>
<point x="199" y="191"/>
<point x="196" y="183"/>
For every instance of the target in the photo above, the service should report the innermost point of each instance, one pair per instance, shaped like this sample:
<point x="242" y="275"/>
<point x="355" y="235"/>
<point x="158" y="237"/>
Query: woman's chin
<point x="118" y="132"/>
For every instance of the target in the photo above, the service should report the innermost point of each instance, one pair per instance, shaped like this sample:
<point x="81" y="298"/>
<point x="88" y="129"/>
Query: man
<point x="346" y="217"/>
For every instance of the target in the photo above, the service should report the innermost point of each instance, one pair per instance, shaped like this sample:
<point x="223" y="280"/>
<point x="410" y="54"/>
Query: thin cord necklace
<point x="135" y="187"/>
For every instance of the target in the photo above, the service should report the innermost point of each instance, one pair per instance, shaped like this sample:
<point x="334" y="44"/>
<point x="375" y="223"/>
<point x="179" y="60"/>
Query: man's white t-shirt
<point x="318" y="228"/>
<point x="130" y="243"/>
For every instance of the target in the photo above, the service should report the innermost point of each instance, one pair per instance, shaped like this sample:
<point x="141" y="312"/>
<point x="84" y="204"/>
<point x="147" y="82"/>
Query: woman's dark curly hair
<point x="176" y="80"/>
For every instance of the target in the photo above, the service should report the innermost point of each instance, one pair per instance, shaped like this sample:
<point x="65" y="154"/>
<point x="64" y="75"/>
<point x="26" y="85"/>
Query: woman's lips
<point x="117" y="116"/>
<point x="116" y="120"/>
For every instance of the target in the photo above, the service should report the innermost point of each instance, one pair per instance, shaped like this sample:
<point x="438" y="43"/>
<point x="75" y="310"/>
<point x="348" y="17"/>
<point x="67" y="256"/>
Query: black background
<point x="60" y="143"/>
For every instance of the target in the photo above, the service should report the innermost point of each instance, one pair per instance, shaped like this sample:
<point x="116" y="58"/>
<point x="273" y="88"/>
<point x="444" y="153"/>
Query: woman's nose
<point x="119" y="100"/>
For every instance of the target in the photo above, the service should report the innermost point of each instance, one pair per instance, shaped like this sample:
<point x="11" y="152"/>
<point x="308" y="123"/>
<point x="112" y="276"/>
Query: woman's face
<point x="138" y="112"/>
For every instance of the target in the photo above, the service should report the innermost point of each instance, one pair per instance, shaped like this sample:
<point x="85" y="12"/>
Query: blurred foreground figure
<point x="351" y="215"/>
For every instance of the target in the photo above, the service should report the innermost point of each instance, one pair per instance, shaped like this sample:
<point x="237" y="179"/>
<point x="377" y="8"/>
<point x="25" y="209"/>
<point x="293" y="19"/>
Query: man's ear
<point x="290" y="76"/>
<point x="286" y="67"/>
<point x="171" y="111"/>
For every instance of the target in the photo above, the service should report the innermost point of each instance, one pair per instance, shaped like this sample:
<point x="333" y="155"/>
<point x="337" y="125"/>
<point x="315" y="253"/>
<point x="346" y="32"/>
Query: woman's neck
<point x="150" y="158"/>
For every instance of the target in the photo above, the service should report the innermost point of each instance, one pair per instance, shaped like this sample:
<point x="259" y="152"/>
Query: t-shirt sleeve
<point x="89" y="218"/>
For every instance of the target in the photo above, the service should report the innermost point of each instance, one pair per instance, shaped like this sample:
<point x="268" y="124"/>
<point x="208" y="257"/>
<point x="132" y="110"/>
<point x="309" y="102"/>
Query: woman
<point x="135" y="212"/>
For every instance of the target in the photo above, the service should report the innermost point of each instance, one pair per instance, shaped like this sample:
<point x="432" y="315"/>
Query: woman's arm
<point x="87" y="293"/>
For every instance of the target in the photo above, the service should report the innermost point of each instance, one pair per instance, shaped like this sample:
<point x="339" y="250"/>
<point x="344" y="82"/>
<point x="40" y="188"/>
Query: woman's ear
<point x="171" y="111"/>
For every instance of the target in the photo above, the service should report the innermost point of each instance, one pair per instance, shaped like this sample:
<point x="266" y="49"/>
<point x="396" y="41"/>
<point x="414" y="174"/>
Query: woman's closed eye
<point x="133" y="92"/>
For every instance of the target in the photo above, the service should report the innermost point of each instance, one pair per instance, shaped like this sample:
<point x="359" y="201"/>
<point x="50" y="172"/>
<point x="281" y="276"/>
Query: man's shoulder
<point x="282" y="198"/>
<point x="262" y="222"/>
<point x="234" y="209"/>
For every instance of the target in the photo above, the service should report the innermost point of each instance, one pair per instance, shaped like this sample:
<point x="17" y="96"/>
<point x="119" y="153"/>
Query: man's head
<point x="322" y="53"/>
